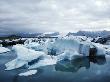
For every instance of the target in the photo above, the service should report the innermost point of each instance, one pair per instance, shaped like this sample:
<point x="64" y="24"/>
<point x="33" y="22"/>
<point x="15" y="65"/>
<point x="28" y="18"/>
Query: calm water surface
<point x="77" y="70"/>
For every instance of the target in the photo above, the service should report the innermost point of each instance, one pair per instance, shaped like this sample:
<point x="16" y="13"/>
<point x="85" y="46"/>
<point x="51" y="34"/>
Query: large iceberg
<point x="71" y="44"/>
<point x="83" y="47"/>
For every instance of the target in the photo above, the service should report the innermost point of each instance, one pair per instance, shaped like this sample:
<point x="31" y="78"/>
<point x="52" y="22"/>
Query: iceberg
<point x="26" y="54"/>
<point x="29" y="58"/>
<point x="71" y="44"/>
<point x="78" y="44"/>
<point x="61" y="44"/>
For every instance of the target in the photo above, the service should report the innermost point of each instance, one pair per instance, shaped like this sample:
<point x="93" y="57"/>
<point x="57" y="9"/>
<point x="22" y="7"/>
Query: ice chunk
<point x="30" y="72"/>
<point x="68" y="43"/>
<point x="24" y="55"/>
<point x="15" y="64"/>
<point x="29" y="58"/>
<point x="60" y="45"/>
<point x="3" y="50"/>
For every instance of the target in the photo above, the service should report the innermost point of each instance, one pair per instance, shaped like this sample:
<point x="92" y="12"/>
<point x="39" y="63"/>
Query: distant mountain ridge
<point x="92" y="34"/>
<point x="32" y="35"/>
<point x="22" y="35"/>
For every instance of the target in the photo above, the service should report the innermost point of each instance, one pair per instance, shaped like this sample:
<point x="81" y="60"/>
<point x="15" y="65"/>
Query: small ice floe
<point x="3" y="50"/>
<point x="28" y="73"/>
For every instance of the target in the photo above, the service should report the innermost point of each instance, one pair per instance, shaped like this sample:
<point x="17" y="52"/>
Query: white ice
<point x="28" y="73"/>
<point x="3" y="50"/>
<point x="25" y="55"/>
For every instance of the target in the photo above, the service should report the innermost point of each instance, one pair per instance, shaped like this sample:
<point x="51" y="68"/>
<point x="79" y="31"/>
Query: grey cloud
<point x="54" y="15"/>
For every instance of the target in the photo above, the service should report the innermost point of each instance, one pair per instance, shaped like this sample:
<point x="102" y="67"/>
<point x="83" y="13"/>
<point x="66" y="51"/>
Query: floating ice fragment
<point x="28" y="73"/>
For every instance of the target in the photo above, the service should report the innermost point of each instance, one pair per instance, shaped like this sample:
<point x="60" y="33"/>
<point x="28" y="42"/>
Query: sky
<point x="54" y="15"/>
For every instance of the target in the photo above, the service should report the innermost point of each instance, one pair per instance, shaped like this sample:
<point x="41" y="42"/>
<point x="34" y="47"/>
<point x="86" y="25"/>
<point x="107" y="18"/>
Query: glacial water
<point x="79" y="69"/>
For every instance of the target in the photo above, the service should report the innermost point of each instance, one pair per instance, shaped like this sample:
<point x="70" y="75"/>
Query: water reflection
<point x="78" y="62"/>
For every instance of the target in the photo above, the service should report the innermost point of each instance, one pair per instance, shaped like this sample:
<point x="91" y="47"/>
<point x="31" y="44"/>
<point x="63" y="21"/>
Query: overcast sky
<point x="54" y="15"/>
